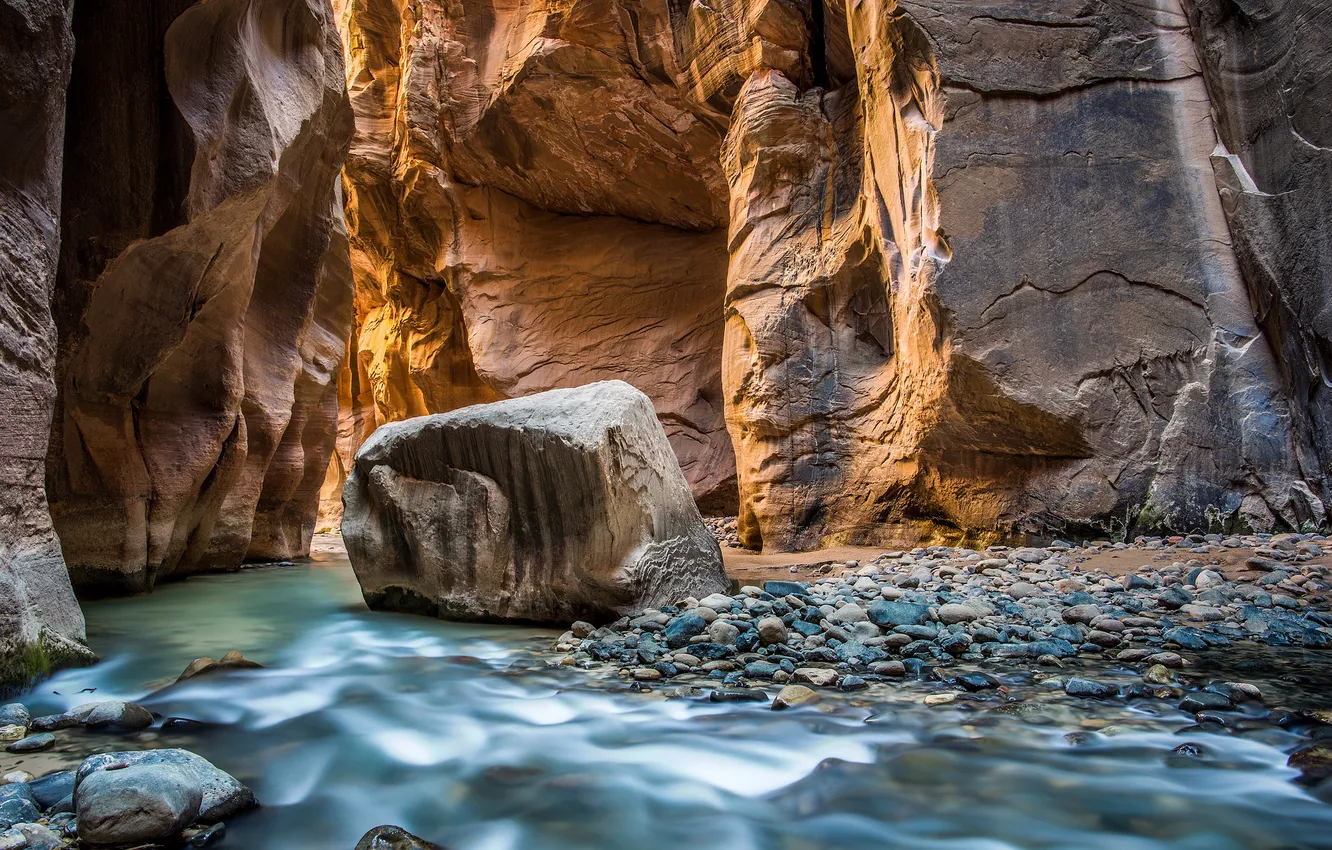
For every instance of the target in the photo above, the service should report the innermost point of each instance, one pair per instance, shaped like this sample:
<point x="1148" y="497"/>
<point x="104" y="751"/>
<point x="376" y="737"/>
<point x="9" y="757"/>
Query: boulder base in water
<point x="558" y="506"/>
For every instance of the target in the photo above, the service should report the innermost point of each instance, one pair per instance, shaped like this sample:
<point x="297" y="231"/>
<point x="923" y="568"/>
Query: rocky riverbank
<point x="965" y="619"/>
<point x="144" y="798"/>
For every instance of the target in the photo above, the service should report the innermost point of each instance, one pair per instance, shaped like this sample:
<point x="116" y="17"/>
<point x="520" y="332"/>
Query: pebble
<point x="772" y="630"/>
<point x="33" y="743"/>
<point x="953" y="613"/>
<point x="794" y="695"/>
<point x="1076" y="687"/>
<point x="1158" y="674"/>
<point x="820" y="677"/>
<point x="913" y="614"/>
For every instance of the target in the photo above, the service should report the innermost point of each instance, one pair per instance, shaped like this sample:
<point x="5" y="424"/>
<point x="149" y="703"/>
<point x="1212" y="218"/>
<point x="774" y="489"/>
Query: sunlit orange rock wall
<point x="942" y="268"/>
<point x="534" y="201"/>
<point x="204" y="295"/>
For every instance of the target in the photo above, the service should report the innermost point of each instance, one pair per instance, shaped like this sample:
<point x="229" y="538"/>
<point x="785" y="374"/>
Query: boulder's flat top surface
<point x="578" y="415"/>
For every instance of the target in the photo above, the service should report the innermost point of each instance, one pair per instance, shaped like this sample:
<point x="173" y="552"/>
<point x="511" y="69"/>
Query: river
<point x="463" y="735"/>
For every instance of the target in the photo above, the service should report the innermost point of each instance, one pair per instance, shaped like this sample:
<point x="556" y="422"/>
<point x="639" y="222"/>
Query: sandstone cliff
<point x="502" y="247"/>
<point x="204" y="291"/>
<point x="977" y="273"/>
<point x="40" y="623"/>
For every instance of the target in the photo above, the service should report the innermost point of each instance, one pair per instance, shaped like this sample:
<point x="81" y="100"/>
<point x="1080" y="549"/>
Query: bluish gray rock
<point x="135" y="804"/>
<point x="18" y="810"/>
<point x="52" y="788"/>
<point x="14" y="714"/>
<point x="32" y="743"/>
<point x="1076" y="687"/>
<point x="889" y="614"/>
<point x="682" y="628"/>
<point x="221" y="795"/>
<point x="113" y="715"/>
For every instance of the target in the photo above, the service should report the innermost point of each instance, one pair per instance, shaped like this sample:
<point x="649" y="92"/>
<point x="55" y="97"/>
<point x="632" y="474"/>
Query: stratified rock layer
<point x="564" y="504"/>
<point x="204" y="293"/>
<point x="40" y="623"/>
<point x="978" y="275"/>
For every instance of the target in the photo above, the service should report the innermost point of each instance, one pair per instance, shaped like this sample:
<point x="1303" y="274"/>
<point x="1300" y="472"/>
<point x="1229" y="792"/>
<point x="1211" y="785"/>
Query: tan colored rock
<point x="41" y="625"/>
<point x="822" y="677"/>
<point x="794" y="695"/>
<point x="233" y="660"/>
<point x="550" y="508"/>
<point x="204" y="293"/>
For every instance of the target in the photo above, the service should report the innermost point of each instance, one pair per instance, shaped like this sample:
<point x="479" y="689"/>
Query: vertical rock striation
<point x="41" y="625"/>
<point x="1268" y="68"/>
<point x="1055" y="336"/>
<point x="204" y="291"/>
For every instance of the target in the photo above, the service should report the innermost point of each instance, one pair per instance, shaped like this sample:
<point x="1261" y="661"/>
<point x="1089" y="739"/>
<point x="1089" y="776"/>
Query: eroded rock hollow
<point x="976" y="272"/>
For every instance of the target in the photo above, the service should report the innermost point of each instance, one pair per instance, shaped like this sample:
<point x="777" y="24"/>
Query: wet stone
<point x="1077" y="687"/>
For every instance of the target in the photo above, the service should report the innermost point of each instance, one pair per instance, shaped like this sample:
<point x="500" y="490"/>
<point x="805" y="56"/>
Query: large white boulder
<point x="554" y="507"/>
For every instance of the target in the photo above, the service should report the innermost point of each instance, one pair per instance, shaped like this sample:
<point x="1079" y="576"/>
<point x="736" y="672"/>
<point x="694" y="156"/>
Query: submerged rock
<point x="231" y="661"/>
<point x="793" y="695"/>
<point x="554" y="507"/>
<point x="393" y="838"/>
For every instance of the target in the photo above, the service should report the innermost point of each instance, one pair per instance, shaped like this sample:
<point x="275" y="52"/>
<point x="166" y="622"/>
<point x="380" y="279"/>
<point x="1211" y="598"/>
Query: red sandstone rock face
<point x="978" y="277"/>
<point x="501" y="248"/>
<point x="40" y="623"/>
<point x="204" y="292"/>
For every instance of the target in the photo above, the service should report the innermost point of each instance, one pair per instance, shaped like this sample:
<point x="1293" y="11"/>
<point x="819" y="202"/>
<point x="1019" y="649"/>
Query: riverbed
<point x="465" y="735"/>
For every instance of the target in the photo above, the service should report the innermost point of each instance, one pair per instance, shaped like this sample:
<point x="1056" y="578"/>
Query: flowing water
<point x="463" y="735"/>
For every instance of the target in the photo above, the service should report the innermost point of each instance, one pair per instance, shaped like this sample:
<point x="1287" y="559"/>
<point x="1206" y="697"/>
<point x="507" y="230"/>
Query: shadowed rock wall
<point x="41" y="625"/>
<point x="204" y="290"/>
<point x="978" y="275"/>
<point x="1268" y="68"/>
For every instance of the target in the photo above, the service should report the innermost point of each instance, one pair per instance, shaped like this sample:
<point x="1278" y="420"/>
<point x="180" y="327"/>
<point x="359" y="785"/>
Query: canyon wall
<point x="1268" y="68"/>
<point x="204" y="292"/>
<point x="982" y="267"/>
<point x="41" y="625"/>
<point x="533" y="203"/>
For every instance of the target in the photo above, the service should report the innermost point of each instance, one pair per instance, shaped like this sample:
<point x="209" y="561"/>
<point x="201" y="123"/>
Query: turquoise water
<point x="461" y="734"/>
